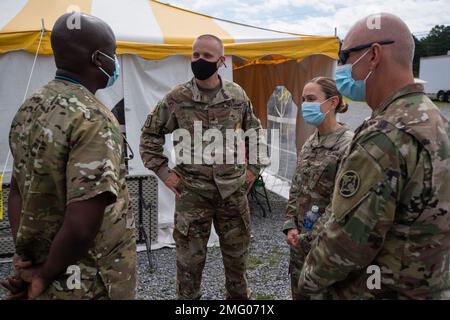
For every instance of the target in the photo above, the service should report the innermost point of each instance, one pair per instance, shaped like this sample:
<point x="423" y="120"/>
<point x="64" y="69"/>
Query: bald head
<point x="73" y="45"/>
<point x="384" y="26"/>
<point x="212" y="40"/>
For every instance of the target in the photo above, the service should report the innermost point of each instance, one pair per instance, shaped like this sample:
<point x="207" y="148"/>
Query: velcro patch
<point x="349" y="183"/>
<point x="358" y="174"/>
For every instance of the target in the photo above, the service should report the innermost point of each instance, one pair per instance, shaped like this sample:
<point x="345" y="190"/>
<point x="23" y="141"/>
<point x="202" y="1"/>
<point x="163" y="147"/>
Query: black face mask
<point x="203" y="69"/>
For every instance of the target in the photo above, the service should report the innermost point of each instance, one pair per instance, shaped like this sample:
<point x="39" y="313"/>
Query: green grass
<point x="253" y="262"/>
<point x="442" y="104"/>
<point x="262" y="296"/>
<point x="275" y="257"/>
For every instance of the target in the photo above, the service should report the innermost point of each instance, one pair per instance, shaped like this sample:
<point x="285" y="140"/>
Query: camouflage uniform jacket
<point x="390" y="208"/>
<point x="229" y="110"/>
<point x="313" y="181"/>
<point x="67" y="148"/>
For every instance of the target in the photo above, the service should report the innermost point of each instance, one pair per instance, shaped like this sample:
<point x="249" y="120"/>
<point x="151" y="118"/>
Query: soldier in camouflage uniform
<point x="318" y="161"/>
<point x="206" y="192"/>
<point x="388" y="234"/>
<point x="70" y="173"/>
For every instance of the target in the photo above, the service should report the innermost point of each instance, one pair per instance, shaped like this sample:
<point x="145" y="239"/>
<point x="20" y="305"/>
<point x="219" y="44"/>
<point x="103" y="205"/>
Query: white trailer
<point x="436" y="72"/>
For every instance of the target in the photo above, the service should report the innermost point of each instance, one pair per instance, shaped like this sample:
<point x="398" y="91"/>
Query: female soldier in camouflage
<point x="318" y="161"/>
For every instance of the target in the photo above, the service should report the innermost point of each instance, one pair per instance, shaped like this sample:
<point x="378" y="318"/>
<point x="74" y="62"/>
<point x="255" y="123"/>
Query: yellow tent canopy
<point x="154" y="30"/>
<point x="262" y="59"/>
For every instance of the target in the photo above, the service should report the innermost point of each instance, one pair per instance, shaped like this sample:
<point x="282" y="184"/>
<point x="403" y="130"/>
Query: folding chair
<point x="254" y="193"/>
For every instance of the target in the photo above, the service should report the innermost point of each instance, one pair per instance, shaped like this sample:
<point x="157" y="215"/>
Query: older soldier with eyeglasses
<point x="388" y="235"/>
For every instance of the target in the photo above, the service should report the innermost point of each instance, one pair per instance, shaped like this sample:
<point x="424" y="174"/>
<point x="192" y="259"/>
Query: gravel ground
<point x="268" y="263"/>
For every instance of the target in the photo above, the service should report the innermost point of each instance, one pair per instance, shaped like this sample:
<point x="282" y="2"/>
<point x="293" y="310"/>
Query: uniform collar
<point x="408" y="89"/>
<point x="329" y="140"/>
<point x="198" y="96"/>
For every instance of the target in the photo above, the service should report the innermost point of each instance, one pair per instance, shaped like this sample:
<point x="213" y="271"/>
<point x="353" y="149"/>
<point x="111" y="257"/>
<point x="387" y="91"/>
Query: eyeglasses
<point x="344" y="54"/>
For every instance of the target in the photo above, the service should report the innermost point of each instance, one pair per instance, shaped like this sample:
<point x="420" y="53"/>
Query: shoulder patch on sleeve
<point x="148" y="122"/>
<point x="358" y="175"/>
<point x="349" y="183"/>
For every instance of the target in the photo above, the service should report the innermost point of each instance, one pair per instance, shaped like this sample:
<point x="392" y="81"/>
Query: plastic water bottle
<point x="310" y="218"/>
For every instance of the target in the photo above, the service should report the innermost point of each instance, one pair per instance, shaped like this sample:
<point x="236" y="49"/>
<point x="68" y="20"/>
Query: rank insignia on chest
<point x="213" y="123"/>
<point x="349" y="184"/>
<point x="235" y="114"/>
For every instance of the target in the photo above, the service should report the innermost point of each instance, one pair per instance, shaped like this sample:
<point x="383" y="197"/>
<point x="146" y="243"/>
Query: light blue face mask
<point x="115" y="75"/>
<point x="349" y="87"/>
<point x="312" y="114"/>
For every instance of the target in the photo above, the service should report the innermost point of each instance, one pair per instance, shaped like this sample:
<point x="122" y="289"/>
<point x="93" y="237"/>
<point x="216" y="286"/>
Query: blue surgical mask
<point x="312" y="114"/>
<point x="349" y="87"/>
<point x="111" y="78"/>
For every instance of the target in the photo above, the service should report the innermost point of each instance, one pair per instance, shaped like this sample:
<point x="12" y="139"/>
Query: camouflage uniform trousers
<point x="194" y="214"/>
<point x="297" y="259"/>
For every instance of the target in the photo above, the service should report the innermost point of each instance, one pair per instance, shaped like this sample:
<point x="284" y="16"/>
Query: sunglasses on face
<point x="344" y="54"/>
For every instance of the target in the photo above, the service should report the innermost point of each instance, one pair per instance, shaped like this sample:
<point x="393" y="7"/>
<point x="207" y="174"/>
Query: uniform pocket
<point x="315" y="174"/>
<point x="246" y="220"/>
<point x="180" y="186"/>
<point x="244" y="209"/>
<point x="244" y="187"/>
<point x="182" y="224"/>
<point x="236" y="114"/>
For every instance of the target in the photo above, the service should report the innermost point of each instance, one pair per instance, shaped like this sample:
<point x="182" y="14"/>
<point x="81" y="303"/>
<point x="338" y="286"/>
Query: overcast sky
<point x="320" y="16"/>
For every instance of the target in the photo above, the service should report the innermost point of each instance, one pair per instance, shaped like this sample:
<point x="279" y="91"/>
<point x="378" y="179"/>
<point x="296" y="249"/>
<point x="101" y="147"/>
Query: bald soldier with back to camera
<point x="68" y="204"/>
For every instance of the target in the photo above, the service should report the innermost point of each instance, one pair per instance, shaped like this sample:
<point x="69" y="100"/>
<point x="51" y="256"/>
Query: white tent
<point x="154" y="43"/>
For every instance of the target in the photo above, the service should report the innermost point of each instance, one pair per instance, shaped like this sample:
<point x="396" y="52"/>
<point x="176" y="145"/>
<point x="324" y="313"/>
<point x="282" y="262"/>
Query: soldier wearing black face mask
<point x="205" y="192"/>
<point x="204" y="69"/>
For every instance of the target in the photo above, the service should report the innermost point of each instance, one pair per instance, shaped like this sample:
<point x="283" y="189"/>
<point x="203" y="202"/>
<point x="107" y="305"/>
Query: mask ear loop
<point x="354" y="63"/>
<point x="92" y="58"/>
<point x="325" y="114"/>
<point x="225" y="65"/>
<point x="112" y="59"/>
<point x="371" y="71"/>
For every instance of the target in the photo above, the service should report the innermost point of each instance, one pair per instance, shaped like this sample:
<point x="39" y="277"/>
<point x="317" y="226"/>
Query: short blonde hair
<point x="217" y="39"/>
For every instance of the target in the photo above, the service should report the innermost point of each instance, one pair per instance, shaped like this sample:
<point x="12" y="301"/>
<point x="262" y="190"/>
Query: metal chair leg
<point x="151" y="262"/>
<point x="142" y="232"/>
<point x="267" y="198"/>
